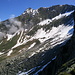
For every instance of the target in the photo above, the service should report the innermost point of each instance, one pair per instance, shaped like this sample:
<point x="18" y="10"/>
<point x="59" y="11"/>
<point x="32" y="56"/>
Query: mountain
<point x="38" y="42"/>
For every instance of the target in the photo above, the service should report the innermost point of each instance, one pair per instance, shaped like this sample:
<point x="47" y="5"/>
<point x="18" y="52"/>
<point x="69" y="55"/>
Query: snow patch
<point x="47" y="21"/>
<point x="23" y="13"/>
<point x="9" y="36"/>
<point x="9" y="53"/>
<point x="32" y="45"/>
<point x="42" y="68"/>
<point x="35" y="11"/>
<point x="62" y="15"/>
<point x="29" y="10"/>
<point x="1" y="53"/>
<point x="19" y="41"/>
<point x="1" y="42"/>
<point x="43" y="54"/>
<point x="39" y="50"/>
<point x="54" y="58"/>
<point x="28" y="72"/>
<point x="61" y="32"/>
<point x="32" y="54"/>
<point x="26" y="30"/>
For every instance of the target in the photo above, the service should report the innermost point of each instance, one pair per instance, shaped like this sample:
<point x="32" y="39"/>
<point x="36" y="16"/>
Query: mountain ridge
<point x="32" y="40"/>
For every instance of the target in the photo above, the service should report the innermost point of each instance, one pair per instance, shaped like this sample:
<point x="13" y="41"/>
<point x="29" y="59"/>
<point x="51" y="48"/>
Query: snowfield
<point x="47" y="21"/>
<point x="1" y="53"/>
<point x="32" y="45"/>
<point x="9" y="53"/>
<point x="61" y="32"/>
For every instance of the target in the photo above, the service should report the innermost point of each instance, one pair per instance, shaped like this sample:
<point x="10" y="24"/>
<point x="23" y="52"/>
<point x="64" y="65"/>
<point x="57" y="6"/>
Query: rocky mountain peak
<point x="30" y="11"/>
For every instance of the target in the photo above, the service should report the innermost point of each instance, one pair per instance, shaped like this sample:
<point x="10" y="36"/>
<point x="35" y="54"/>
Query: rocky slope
<point x="69" y="67"/>
<point x="36" y="39"/>
<point x="65" y="59"/>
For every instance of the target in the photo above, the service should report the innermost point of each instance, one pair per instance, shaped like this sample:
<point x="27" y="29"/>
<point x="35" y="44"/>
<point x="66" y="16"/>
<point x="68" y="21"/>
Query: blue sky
<point x="17" y="7"/>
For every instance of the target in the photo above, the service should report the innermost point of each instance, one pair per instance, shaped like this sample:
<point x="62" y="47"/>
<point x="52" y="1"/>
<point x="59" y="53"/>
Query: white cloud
<point x="14" y="21"/>
<point x="13" y="29"/>
<point x="12" y="16"/>
<point x="14" y="24"/>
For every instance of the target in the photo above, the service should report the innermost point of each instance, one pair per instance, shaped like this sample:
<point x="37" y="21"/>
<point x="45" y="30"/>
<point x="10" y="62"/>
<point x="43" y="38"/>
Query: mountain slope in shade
<point x="30" y="41"/>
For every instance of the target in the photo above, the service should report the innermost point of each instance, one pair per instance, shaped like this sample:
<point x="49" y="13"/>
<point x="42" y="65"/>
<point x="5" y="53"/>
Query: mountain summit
<point x="35" y="40"/>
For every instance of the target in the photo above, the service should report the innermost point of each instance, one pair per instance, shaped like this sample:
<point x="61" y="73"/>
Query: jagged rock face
<point x="35" y="40"/>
